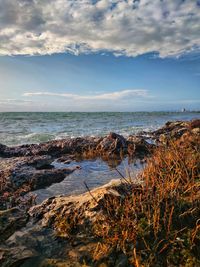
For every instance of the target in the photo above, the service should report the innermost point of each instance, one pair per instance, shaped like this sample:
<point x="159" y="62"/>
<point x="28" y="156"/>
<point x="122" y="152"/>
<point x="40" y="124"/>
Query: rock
<point x="138" y="147"/>
<point x="35" y="171"/>
<point x="194" y="124"/>
<point x="15" y="256"/>
<point x="86" y="205"/>
<point x="2" y="149"/>
<point x="40" y="162"/>
<point x="39" y="242"/>
<point x="112" y="144"/>
<point x="39" y="178"/>
<point x="196" y="131"/>
<point x="174" y="130"/>
<point x="53" y="148"/>
<point x="10" y="221"/>
<point x="65" y="150"/>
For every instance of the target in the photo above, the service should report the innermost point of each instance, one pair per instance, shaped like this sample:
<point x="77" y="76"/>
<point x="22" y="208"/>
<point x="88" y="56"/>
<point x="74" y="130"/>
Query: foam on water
<point x="23" y="128"/>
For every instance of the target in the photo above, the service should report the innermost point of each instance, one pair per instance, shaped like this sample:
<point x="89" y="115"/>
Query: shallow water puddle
<point x="94" y="172"/>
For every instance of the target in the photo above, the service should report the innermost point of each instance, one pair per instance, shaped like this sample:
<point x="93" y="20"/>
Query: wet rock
<point x="2" y="149"/>
<point x="67" y="149"/>
<point x="53" y="148"/>
<point x="112" y="144"/>
<point x="138" y="147"/>
<point x="40" y="162"/>
<point x="87" y="204"/>
<point x="39" y="178"/>
<point x="34" y="171"/>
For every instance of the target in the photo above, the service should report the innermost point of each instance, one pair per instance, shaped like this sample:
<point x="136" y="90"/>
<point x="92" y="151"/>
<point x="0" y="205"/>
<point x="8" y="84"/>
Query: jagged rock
<point x="174" y="130"/>
<point x="38" y="244"/>
<point x="88" y="204"/>
<point x="194" y="124"/>
<point x="10" y="221"/>
<point x="196" y="131"/>
<point x="112" y="144"/>
<point x="171" y="127"/>
<point x="53" y="148"/>
<point x="138" y="147"/>
<point x="15" y="256"/>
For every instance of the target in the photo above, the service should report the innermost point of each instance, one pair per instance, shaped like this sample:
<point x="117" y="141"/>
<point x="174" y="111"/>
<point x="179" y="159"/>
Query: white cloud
<point x="106" y="96"/>
<point x="130" y="27"/>
<point x="14" y="101"/>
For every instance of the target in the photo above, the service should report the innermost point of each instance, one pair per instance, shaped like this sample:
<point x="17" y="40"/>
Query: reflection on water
<point x="94" y="172"/>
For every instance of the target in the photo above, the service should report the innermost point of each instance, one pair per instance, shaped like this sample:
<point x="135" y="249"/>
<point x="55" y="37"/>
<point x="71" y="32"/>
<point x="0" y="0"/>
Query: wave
<point x="26" y="128"/>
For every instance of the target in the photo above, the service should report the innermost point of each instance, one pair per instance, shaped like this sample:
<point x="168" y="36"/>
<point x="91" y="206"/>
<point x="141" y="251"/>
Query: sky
<point x="86" y="55"/>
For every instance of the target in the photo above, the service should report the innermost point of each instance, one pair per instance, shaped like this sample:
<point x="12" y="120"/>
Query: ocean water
<point x="37" y="127"/>
<point x="23" y="128"/>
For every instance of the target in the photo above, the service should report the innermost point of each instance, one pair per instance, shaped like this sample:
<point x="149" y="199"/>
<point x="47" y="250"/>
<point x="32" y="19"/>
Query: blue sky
<point x="94" y="56"/>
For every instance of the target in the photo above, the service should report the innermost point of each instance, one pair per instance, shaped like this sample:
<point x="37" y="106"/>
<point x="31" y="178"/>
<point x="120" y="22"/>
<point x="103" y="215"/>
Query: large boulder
<point x="112" y="144"/>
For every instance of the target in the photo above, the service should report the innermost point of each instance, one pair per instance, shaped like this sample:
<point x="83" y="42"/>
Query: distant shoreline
<point x="156" y="111"/>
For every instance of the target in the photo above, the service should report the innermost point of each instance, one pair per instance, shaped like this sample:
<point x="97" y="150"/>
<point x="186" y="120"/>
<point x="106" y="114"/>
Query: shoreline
<point x="22" y="129"/>
<point x="29" y="167"/>
<point x="23" y="228"/>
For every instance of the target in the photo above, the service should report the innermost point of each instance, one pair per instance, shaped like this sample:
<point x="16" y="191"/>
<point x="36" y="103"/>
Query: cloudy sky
<point x="90" y="55"/>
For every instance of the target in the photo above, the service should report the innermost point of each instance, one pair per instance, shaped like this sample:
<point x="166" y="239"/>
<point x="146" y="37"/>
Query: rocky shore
<point x="36" y="235"/>
<point x="29" y="167"/>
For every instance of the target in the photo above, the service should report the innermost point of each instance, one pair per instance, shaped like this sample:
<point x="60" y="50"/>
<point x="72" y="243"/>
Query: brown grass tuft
<point x="158" y="222"/>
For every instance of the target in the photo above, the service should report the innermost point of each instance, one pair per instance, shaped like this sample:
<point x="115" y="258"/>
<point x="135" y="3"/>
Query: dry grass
<point x="158" y="223"/>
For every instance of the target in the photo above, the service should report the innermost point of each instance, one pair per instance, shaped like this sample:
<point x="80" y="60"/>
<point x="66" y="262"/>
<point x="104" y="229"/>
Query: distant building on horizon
<point x="183" y="110"/>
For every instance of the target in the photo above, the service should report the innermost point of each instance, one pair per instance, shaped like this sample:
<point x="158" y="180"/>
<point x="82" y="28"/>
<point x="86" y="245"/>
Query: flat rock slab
<point x="34" y="171"/>
<point x="41" y="242"/>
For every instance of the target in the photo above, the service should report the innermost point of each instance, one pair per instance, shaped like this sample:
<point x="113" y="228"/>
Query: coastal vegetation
<point x="153" y="220"/>
<point x="157" y="222"/>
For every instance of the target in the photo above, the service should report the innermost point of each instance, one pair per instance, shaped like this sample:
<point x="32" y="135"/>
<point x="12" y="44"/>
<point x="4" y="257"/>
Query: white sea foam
<point x="22" y="128"/>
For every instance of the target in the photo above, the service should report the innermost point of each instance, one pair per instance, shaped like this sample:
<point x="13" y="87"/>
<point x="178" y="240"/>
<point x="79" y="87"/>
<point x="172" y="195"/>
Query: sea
<point x="35" y="127"/>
